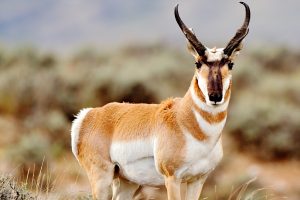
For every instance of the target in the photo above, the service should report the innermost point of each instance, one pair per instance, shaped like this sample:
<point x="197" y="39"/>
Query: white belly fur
<point x="136" y="161"/>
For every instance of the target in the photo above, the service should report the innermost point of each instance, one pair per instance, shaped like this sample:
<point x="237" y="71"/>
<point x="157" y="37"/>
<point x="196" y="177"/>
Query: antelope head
<point x="213" y="66"/>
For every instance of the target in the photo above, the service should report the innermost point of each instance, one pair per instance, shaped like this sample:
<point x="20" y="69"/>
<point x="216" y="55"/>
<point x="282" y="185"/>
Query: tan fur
<point x="187" y="118"/>
<point x="170" y="138"/>
<point x="126" y="122"/>
<point x="211" y="118"/>
<point x="225" y="71"/>
<point x="204" y="71"/>
<point x="228" y="92"/>
<point x="151" y="193"/>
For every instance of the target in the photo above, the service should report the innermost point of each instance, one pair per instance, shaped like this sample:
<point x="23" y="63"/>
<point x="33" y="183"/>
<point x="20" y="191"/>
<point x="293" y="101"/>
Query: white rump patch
<point x="75" y="130"/>
<point x="214" y="54"/>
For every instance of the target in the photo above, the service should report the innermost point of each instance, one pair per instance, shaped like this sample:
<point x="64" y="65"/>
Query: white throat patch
<point x="214" y="54"/>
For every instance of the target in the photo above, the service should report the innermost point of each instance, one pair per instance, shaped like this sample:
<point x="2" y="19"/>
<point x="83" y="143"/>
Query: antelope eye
<point x="198" y="65"/>
<point x="230" y="65"/>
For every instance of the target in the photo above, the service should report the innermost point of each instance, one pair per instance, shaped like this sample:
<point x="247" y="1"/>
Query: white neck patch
<point x="214" y="54"/>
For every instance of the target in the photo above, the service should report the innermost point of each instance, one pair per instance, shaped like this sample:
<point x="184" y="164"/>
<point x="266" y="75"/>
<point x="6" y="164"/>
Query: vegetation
<point x="40" y="93"/>
<point x="265" y="112"/>
<point x="10" y="190"/>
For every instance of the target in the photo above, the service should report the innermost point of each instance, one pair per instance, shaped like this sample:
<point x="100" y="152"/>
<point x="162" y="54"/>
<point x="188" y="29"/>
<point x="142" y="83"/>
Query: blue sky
<point x="62" y="25"/>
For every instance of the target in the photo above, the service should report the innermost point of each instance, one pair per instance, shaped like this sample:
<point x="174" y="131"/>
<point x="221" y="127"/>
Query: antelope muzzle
<point x="215" y="85"/>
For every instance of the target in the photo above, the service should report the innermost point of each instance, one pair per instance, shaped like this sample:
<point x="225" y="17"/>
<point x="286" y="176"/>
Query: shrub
<point x="9" y="189"/>
<point x="264" y="112"/>
<point x="43" y="92"/>
<point x="29" y="154"/>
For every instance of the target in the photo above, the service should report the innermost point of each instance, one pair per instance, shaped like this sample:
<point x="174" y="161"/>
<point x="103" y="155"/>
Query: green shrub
<point x="29" y="154"/>
<point x="264" y="112"/>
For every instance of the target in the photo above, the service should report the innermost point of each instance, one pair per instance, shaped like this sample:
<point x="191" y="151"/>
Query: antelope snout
<point x="215" y="97"/>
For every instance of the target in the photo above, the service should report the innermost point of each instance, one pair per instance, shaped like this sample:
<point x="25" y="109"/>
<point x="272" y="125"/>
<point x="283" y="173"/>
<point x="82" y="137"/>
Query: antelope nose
<point x="215" y="97"/>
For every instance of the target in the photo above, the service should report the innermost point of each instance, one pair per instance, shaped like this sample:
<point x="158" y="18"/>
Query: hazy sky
<point x="63" y="25"/>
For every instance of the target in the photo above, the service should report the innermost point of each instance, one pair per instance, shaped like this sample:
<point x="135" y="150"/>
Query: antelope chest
<point x="201" y="158"/>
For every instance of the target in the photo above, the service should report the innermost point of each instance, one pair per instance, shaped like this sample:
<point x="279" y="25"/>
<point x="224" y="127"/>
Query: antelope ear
<point x="236" y="51"/>
<point x="192" y="51"/>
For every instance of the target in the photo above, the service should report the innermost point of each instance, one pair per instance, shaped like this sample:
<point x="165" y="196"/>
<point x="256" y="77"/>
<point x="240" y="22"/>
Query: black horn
<point x="198" y="46"/>
<point x="240" y="34"/>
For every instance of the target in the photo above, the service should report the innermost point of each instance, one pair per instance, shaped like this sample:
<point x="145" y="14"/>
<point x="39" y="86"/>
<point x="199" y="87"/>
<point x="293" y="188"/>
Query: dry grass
<point x="10" y="190"/>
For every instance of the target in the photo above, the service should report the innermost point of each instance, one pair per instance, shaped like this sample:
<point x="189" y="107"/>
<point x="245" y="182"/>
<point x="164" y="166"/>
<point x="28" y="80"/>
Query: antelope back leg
<point x="150" y="193"/>
<point x="123" y="189"/>
<point x="101" y="177"/>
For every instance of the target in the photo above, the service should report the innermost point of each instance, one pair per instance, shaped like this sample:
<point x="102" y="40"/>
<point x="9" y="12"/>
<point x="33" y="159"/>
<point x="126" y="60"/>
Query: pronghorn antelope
<point x="172" y="144"/>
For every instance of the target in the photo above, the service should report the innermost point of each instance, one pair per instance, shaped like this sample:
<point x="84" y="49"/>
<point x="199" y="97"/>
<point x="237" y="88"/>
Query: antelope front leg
<point x="173" y="188"/>
<point x="194" y="189"/>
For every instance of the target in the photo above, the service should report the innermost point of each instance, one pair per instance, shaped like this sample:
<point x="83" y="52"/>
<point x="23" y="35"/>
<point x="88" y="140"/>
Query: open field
<point x="40" y="93"/>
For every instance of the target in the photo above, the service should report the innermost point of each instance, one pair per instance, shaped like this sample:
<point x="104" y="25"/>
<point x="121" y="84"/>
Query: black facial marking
<point x="215" y="85"/>
<point x="198" y="65"/>
<point x="230" y="65"/>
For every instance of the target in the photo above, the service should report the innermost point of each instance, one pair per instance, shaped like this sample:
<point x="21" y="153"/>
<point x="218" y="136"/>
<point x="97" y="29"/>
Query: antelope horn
<point x="198" y="46"/>
<point x="240" y="34"/>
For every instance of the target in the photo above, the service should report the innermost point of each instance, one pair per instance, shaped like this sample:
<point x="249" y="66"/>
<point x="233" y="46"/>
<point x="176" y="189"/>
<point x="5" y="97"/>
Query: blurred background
<point x="57" y="57"/>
